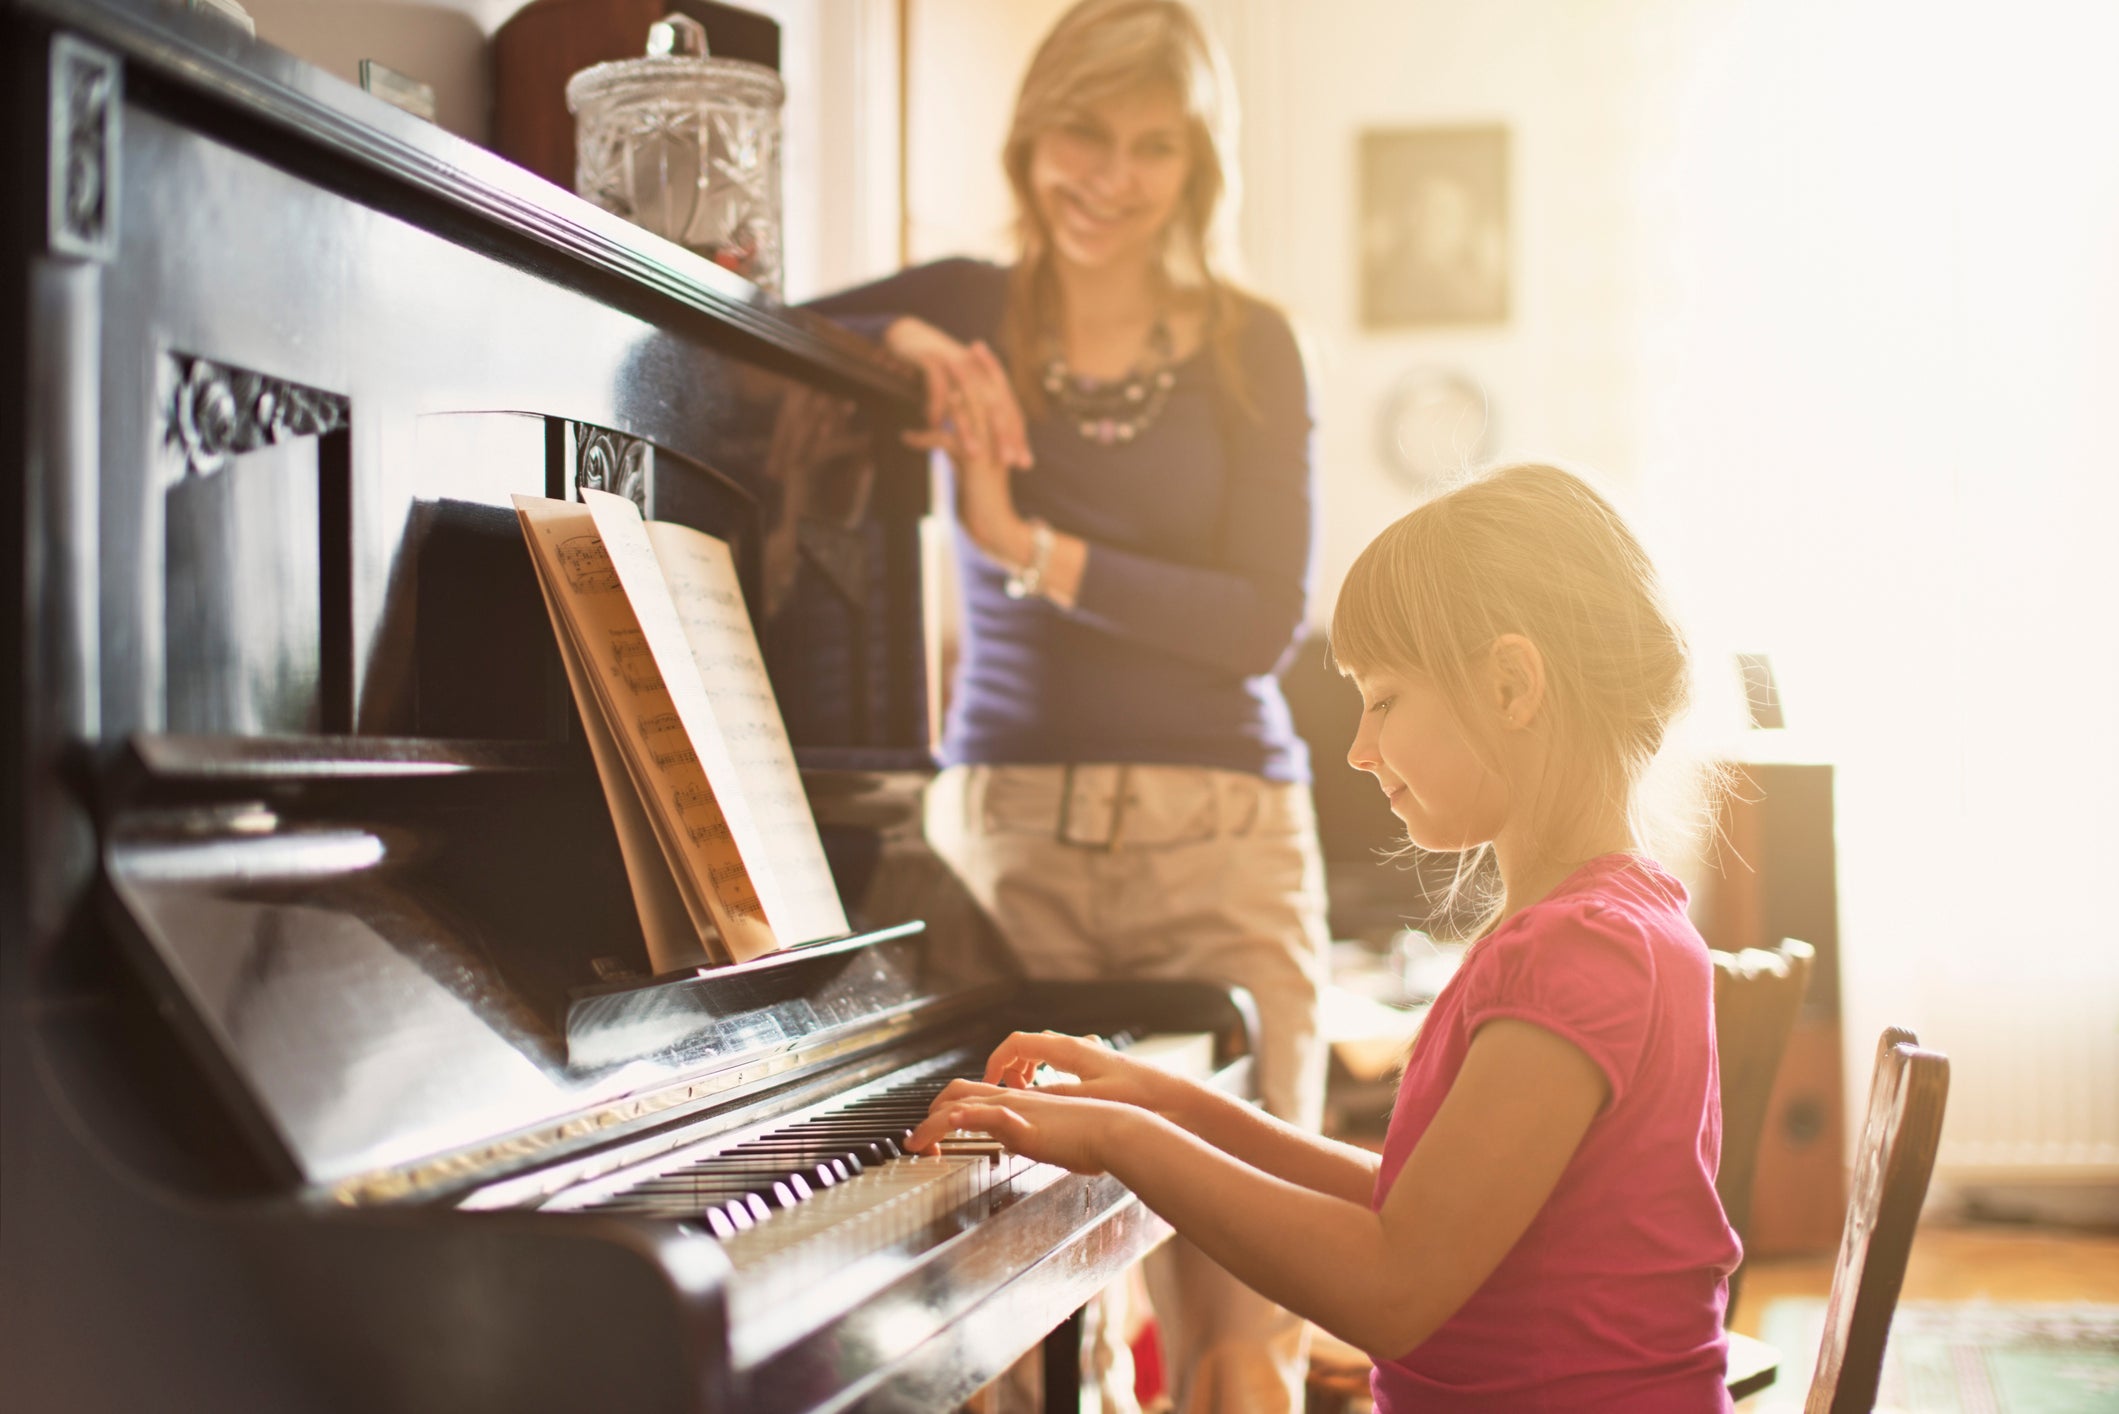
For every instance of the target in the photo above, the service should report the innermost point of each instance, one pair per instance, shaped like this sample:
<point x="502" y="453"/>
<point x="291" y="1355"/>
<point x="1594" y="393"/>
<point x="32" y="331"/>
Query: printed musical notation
<point x="635" y="661"/>
<point x="666" y="741"/>
<point x="588" y="565"/>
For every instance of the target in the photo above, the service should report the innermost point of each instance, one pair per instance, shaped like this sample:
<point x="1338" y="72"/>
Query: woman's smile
<point x="1087" y="219"/>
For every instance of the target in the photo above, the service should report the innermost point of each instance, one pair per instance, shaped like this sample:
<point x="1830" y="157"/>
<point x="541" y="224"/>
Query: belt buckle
<point x="1065" y="831"/>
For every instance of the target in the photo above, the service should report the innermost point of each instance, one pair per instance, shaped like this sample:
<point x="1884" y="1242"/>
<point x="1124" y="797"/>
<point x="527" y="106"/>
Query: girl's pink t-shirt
<point x="1613" y="1297"/>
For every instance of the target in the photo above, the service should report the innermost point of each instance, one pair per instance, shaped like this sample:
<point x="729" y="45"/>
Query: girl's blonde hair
<point x="1103" y="49"/>
<point x="1536" y="551"/>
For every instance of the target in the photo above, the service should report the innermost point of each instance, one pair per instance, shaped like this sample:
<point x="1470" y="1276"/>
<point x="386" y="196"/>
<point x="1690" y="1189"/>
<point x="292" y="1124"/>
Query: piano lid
<point x="345" y="977"/>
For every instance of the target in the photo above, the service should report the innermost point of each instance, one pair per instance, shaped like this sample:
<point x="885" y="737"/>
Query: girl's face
<point x="1109" y="180"/>
<point x="1434" y="779"/>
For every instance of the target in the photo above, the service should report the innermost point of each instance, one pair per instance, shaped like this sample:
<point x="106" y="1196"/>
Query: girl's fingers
<point x="960" y="1090"/>
<point x="1019" y="1055"/>
<point x="1025" y="1051"/>
<point x="972" y="1115"/>
<point x="1013" y="1075"/>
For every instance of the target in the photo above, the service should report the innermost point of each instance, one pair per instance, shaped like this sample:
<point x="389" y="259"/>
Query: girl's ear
<point x="1516" y="687"/>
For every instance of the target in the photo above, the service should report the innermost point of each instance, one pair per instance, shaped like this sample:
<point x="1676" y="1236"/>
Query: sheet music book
<point x="719" y="843"/>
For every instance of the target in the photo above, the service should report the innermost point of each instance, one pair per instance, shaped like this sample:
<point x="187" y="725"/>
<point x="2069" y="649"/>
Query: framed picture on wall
<point x="1434" y="226"/>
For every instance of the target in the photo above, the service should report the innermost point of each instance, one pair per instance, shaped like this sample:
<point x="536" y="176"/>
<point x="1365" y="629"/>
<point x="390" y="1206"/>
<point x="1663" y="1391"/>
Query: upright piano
<point x="334" y="1075"/>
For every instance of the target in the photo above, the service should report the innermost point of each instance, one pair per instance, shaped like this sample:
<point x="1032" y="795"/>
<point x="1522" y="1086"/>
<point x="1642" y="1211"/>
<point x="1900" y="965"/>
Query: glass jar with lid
<point x="686" y="145"/>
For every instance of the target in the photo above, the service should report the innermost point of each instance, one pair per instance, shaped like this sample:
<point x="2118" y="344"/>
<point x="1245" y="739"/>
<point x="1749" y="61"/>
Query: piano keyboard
<point x="805" y="1202"/>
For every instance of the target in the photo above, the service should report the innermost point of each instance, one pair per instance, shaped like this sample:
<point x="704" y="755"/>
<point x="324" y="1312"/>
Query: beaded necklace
<point x="1114" y="410"/>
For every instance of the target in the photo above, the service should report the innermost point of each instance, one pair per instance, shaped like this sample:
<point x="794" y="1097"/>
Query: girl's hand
<point x="1078" y="1135"/>
<point x="965" y="383"/>
<point x="1100" y="1072"/>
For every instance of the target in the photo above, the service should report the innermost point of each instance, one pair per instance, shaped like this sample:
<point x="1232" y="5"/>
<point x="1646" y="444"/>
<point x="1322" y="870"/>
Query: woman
<point x="1123" y="788"/>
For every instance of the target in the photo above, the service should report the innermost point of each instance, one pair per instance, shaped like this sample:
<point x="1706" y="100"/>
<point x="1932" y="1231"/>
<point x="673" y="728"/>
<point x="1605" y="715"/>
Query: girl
<point x="1124" y="791"/>
<point x="1541" y="1230"/>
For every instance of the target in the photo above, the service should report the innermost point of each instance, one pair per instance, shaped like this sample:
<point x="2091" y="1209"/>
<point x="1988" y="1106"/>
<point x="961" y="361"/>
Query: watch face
<point x="1434" y="428"/>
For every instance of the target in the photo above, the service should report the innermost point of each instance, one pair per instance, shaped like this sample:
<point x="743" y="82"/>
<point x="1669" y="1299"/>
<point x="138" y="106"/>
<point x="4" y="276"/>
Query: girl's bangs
<point x="1370" y="628"/>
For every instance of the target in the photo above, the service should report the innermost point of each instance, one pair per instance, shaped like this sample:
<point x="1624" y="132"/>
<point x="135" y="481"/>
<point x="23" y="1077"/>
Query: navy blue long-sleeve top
<point x="1195" y="589"/>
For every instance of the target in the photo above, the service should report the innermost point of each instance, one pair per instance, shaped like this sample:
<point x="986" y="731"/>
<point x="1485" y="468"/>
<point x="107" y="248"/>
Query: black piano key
<point x="868" y="1131"/>
<point x="743" y="1207"/>
<point x="722" y="1219"/>
<point x="843" y="1164"/>
<point x="774" y="1194"/>
<point x="871" y="1146"/>
<point x="761" y="1171"/>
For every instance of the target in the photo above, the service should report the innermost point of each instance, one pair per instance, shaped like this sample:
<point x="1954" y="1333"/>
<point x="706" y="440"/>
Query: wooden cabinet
<point x="1773" y="874"/>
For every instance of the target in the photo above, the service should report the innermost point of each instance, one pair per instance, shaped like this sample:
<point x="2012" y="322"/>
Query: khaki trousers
<point x="1108" y="871"/>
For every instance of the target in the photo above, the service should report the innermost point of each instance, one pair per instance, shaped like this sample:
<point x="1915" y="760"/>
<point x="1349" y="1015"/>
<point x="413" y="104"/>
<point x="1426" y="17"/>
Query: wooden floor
<point x="1961" y="1263"/>
<point x="1998" y="1263"/>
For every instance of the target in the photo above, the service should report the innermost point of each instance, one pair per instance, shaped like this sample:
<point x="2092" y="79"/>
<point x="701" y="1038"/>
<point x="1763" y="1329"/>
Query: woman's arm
<point x="938" y="317"/>
<point x="1383" y="1281"/>
<point x="1239" y="616"/>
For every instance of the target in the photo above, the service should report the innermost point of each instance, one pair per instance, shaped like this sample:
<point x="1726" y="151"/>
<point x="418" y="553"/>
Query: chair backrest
<point x="1894" y="1159"/>
<point x="1756" y="996"/>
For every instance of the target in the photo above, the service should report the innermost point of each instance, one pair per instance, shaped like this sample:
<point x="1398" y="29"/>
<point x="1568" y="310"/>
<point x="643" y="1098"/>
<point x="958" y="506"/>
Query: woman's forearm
<point x="1250" y="1134"/>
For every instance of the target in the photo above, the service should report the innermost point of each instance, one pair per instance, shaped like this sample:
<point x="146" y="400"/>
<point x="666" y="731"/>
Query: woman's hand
<point x="1077" y="1134"/>
<point x="985" y="501"/>
<point x="965" y="383"/>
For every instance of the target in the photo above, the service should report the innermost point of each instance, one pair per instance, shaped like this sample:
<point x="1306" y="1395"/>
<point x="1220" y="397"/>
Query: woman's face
<point x="1108" y="180"/>
<point x="1434" y="778"/>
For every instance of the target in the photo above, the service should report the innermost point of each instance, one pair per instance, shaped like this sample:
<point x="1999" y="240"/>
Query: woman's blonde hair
<point x="1536" y="551"/>
<point x="1103" y="49"/>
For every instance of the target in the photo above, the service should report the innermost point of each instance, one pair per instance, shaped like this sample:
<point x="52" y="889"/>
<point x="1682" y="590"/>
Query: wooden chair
<point x="1756" y="997"/>
<point x="1897" y="1153"/>
<point x="1892" y="1162"/>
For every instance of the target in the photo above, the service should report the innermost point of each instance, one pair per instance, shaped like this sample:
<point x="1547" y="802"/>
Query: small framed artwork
<point x="1434" y="227"/>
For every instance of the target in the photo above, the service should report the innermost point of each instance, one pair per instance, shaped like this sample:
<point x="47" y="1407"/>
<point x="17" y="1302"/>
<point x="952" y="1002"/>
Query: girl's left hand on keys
<point x="1075" y="1134"/>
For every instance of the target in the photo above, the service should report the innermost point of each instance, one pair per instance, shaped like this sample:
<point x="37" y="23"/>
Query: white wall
<point x="1875" y="384"/>
<point x="1565" y="79"/>
<point x="964" y="61"/>
<point x="441" y="45"/>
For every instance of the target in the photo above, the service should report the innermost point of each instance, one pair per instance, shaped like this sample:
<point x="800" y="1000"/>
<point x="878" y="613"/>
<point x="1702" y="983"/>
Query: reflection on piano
<point x="333" y="1075"/>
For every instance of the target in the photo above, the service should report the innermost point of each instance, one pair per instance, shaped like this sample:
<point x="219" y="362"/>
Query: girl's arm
<point x="1383" y="1281"/>
<point x="1229" y="1124"/>
<point x="1345" y="1172"/>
